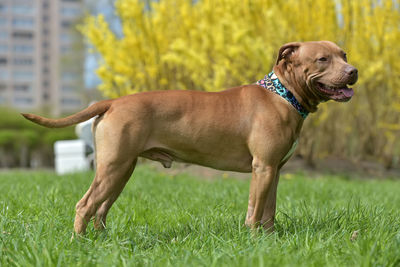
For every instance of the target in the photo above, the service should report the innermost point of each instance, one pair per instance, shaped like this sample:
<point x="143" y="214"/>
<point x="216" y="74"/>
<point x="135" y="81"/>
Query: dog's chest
<point x="292" y="149"/>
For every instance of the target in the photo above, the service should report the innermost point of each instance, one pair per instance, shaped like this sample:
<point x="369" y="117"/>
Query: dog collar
<point x="272" y="83"/>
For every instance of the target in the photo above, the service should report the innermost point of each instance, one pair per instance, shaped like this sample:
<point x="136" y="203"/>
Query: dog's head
<point x="318" y="71"/>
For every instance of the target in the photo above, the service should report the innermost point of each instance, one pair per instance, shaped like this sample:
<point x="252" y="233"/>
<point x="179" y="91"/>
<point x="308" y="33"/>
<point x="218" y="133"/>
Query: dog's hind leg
<point x="101" y="213"/>
<point x="115" y="159"/>
<point x="109" y="180"/>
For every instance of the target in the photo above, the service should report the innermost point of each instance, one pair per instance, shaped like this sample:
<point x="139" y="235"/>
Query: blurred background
<point x="56" y="56"/>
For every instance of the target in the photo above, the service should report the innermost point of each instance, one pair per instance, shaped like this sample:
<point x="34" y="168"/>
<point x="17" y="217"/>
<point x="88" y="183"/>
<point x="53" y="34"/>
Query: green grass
<point x="185" y="221"/>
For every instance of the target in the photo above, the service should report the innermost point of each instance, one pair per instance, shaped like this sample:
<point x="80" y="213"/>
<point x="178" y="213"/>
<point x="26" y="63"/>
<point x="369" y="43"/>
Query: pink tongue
<point x="348" y="92"/>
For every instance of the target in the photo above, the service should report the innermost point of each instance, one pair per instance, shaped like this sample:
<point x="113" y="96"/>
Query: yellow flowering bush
<point x="215" y="44"/>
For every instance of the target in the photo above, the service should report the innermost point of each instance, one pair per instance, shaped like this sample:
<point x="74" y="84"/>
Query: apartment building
<point x="41" y="56"/>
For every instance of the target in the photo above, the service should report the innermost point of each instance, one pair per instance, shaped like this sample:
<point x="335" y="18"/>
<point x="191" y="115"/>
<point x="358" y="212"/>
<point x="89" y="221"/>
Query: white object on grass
<point x="70" y="156"/>
<point x="84" y="131"/>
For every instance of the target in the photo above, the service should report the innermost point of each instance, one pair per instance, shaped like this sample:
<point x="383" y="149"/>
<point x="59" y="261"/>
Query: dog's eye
<point x="323" y="59"/>
<point x="345" y="57"/>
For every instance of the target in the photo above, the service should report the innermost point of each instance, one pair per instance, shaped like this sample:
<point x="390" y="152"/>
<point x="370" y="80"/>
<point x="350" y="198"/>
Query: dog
<point x="251" y="128"/>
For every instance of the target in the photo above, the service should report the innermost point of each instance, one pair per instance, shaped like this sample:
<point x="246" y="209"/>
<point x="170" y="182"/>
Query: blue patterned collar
<point x="272" y="83"/>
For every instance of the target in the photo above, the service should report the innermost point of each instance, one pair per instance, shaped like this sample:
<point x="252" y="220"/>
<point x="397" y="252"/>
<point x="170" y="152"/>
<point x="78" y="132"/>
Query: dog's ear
<point x="287" y="50"/>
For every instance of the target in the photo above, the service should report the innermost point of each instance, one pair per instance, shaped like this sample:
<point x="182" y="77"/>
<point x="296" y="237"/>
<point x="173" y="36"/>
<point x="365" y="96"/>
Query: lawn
<point x="183" y="220"/>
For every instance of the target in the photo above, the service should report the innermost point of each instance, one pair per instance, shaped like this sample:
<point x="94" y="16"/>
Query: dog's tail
<point x="91" y="111"/>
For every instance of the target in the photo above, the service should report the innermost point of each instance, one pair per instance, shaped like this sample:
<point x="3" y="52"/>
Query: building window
<point x="3" y="22"/>
<point x="69" y="76"/>
<point x="23" y="22"/>
<point x="70" y="11"/>
<point x="23" y="48"/>
<point x="66" y="24"/>
<point x="22" y="88"/>
<point x="65" y="37"/>
<point x="3" y="48"/>
<point x="23" y="75"/>
<point x="3" y="74"/>
<point x="65" y="49"/>
<point x="3" y="35"/>
<point x="75" y="1"/>
<point x="20" y="100"/>
<point x="3" y="61"/>
<point x="22" y="35"/>
<point x="3" y="87"/>
<point x="67" y="88"/>
<point x="23" y="61"/>
<point x="70" y="102"/>
<point x="3" y="8"/>
<point x="22" y="9"/>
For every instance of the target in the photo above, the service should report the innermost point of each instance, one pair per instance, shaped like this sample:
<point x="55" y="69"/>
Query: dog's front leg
<point x="268" y="217"/>
<point x="261" y="187"/>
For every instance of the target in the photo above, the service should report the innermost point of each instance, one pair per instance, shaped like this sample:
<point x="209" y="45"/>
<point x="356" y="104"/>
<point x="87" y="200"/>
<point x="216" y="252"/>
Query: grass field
<point x="185" y="221"/>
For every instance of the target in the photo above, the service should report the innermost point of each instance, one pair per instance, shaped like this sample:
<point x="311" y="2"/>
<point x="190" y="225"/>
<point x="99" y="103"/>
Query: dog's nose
<point x="352" y="74"/>
<point x="351" y="71"/>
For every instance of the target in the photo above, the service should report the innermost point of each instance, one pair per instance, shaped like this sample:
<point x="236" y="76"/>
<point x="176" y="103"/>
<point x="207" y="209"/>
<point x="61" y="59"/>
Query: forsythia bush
<point x="215" y="44"/>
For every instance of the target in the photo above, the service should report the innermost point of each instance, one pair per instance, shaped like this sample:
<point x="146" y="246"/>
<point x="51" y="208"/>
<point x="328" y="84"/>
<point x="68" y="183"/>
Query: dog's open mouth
<point x="342" y="93"/>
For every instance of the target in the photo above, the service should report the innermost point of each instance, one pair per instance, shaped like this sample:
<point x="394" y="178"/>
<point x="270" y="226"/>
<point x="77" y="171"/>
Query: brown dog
<point x="245" y="129"/>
